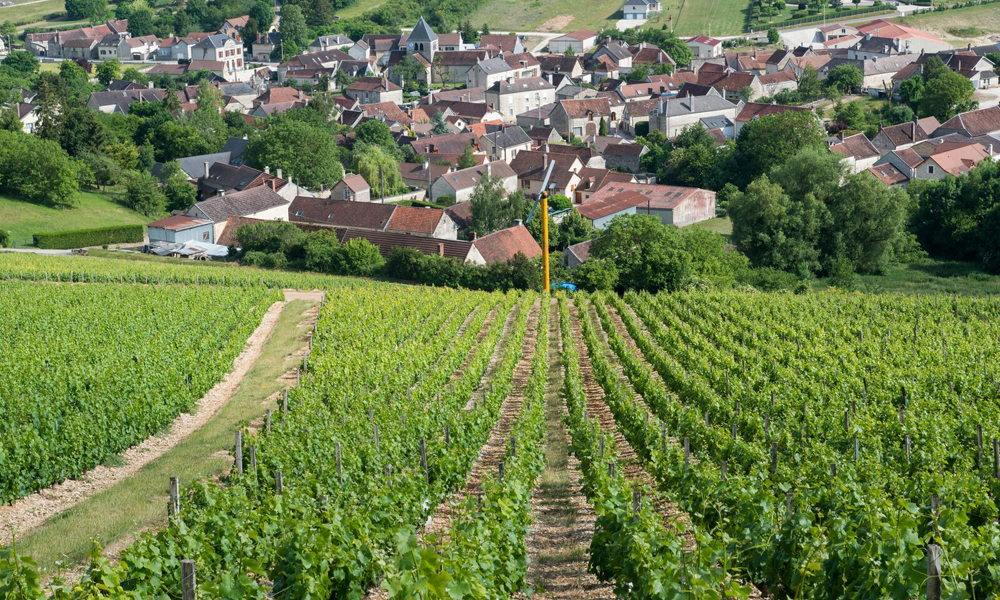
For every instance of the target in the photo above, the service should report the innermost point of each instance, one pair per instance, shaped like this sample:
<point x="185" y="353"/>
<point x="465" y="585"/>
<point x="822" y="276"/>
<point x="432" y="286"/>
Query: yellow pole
<point x="545" y="242"/>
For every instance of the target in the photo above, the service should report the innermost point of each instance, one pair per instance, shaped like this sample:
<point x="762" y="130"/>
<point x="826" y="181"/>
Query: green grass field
<point x="715" y="17"/>
<point x="359" y="8"/>
<point x="24" y="219"/>
<point x="956" y="25"/>
<point x="22" y="12"/>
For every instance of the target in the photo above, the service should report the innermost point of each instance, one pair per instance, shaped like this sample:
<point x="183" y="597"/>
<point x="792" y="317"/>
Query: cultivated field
<point x="27" y="11"/>
<point x="706" y="444"/>
<point x="976" y="25"/>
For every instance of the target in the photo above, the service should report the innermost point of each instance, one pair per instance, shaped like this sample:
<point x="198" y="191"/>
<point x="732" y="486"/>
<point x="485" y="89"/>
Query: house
<point x="977" y="69"/>
<point x="73" y="43"/>
<point x="904" y="135"/>
<point x="469" y="112"/>
<point x="514" y="66"/>
<point x="278" y="95"/>
<point x="260" y="202"/>
<point x="503" y="245"/>
<point x="220" y="48"/>
<point x="515" y="96"/>
<point x="624" y="156"/>
<point x="28" y="115"/>
<point x="673" y="204"/>
<point x="80" y="49"/>
<point x="575" y="43"/>
<point x="430" y="222"/>
<point x="432" y="146"/>
<point x="593" y="179"/>
<point x="674" y="114"/>
<point x="910" y="39"/>
<point x="539" y="117"/>
<point x="144" y="47"/>
<point x="544" y="135"/>
<point x="531" y="167"/>
<point x="194" y="166"/>
<point x="387" y="112"/>
<point x="334" y="212"/>
<point x="507" y="44"/>
<point x="950" y="159"/>
<point x="575" y="255"/>
<point x="645" y="53"/>
<point x="119" y="102"/>
<point x="905" y="160"/>
<point x="421" y="175"/>
<point x="552" y="64"/>
<point x="505" y="143"/>
<point x="373" y="90"/>
<point x="232" y="27"/>
<point x="582" y="117"/>
<point x="264" y="46"/>
<point x="453" y="67"/>
<point x="460" y="184"/>
<point x="220" y="178"/>
<point x="616" y="52"/>
<point x="331" y="42"/>
<point x="836" y="31"/>
<point x="637" y="112"/>
<point x="703" y="46"/>
<point x="985" y="121"/>
<point x="857" y="150"/>
<point x="752" y="111"/>
<point x="352" y="188"/>
<point x="181" y="228"/>
<point x="888" y="174"/>
<point x="641" y="9"/>
<point x="601" y="211"/>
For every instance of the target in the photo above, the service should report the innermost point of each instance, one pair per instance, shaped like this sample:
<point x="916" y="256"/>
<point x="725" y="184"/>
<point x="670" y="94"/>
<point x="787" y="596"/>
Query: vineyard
<point x="729" y="445"/>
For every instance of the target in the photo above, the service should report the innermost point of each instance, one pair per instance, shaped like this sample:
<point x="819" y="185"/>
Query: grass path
<point x="113" y="516"/>
<point x="562" y="520"/>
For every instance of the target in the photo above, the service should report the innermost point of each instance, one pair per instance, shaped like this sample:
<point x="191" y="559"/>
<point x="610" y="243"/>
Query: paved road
<point x="38" y="251"/>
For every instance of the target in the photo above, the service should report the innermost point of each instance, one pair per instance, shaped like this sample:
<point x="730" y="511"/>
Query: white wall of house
<point x="511" y="105"/>
<point x="447" y="228"/>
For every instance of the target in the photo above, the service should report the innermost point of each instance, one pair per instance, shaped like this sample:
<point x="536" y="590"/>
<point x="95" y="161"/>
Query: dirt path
<point x="496" y="445"/>
<point x="562" y="520"/>
<point x="480" y="390"/>
<point x="31" y="511"/>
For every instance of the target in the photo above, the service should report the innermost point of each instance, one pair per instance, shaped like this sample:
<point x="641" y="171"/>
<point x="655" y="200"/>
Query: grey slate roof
<point x="508" y="137"/>
<point x="194" y="166"/>
<point x="422" y="32"/>
<point x="693" y="105"/>
<point x="213" y="41"/>
<point x="494" y="65"/>
<point x="236" y="147"/>
<point x="524" y="84"/>
<point x="238" y="204"/>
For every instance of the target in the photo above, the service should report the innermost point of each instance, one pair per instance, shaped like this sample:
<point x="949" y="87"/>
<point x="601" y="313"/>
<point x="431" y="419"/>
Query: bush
<point x="269" y="237"/>
<point x="359" y="257"/>
<point x="842" y="274"/>
<point x="596" y="274"/>
<point x="97" y="236"/>
<point x="5" y="238"/>
<point x="767" y="279"/>
<point x="321" y="249"/>
<point x="404" y="263"/>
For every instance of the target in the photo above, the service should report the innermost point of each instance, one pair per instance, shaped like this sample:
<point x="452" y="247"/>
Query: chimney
<point x="300" y="94"/>
<point x="279" y="174"/>
<point x="488" y="170"/>
<point x="222" y="193"/>
<point x="441" y="248"/>
<point x="913" y="129"/>
<point x="206" y="169"/>
<point x="841" y="135"/>
<point x="430" y="97"/>
<point x="518" y="222"/>
<point x="427" y="165"/>
<point x="267" y="170"/>
<point x="149" y="85"/>
<point x="989" y="150"/>
<point x="545" y="162"/>
<point x="274" y="185"/>
<point x="475" y="236"/>
<point x="431" y="148"/>
<point x="546" y="147"/>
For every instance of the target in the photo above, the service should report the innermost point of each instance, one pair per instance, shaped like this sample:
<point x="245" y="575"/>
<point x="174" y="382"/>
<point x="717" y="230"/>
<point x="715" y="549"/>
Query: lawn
<point x="24" y="219"/>
<point x="23" y="12"/>
<point x="959" y="26"/>
<point x="359" y="8"/>
<point x="720" y="225"/>
<point x="551" y="15"/>
<point x="709" y="17"/>
<point x="929" y="276"/>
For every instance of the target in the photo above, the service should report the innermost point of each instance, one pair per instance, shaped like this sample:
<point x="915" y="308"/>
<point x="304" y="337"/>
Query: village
<point x="576" y="113"/>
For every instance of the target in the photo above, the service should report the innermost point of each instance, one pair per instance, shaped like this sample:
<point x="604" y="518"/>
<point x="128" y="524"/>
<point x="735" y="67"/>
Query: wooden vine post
<point x="239" y="452"/>
<point x="933" y="572"/>
<point x="189" y="587"/>
<point x="174" y="506"/>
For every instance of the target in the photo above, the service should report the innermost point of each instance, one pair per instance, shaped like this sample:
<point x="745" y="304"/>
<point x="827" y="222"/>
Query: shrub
<point x="97" y="236"/>
<point x="321" y="249"/>
<point x="596" y="274"/>
<point x="767" y="279"/>
<point x="359" y="257"/>
<point x="404" y="263"/>
<point x="5" y="238"/>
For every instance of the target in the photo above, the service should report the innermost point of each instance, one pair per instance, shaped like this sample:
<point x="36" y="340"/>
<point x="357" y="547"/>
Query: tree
<point x="746" y="92"/>
<point x="485" y="30"/>
<point x="911" y="90"/>
<point x="262" y="12"/>
<point x="172" y="140"/>
<point x="845" y="78"/>
<point x="440" y="125"/>
<point x="8" y="30"/>
<point x="408" y="70"/>
<point x="850" y="116"/>
<point x="358" y="256"/>
<point x="87" y="10"/>
<point x="774" y="231"/>
<point x="648" y="254"/>
<point x="308" y="153"/>
<point x="380" y="169"/>
<point x="293" y="26"/>
<point x="773" y="36"/>
<point x="270" y="237"/>
<point x="810" y="86"/>
<point x="467" y="159"/>
<point x="950" y="212"/>
<point x="321" y="250"/>
<point x="596" y="274"/>
<point x="815" y="171"/>
<point x="135" y="75"/>
<point x="934" y="67"/>
<point x="37" y="170"/>
<point x="124" y="153"/>
<point x="142" y="193"/>
<point x="769" y="141"/>
<point x="77" y="130"/>
<point x="179" y="193"/>
<point x="74" y="82"/>
<point x="140" y="22"/>
<point x="691" y="166"/>
<point x="868" y="219"/>
<point x="639" y="73"/>
<point x="109" y="70"/>
<point x="602" y="128"/>
<point x="375" y="133"/>
<point x="207" y="117"/>
<point x="946" y="95"/>
<point x="574" y="229"/>
<point x="105" y="170"/>
<point x="492" y="208"/>
<point x="989" y="249"/>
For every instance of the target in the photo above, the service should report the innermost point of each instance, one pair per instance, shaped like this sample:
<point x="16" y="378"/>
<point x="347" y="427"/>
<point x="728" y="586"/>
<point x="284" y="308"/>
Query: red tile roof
<point x="179" y="223"/>
<point x="888" y="174"/>
<point x="611" y="204"/>
<point x="664" y="197"/>
<point x="341" y="213"/>
<point x="856" y="146"/>
<point x="415" y="220"/>
<point x="504" y="244"/>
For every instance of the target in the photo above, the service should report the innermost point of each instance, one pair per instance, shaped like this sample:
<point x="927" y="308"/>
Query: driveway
<point x="624" y="24"/>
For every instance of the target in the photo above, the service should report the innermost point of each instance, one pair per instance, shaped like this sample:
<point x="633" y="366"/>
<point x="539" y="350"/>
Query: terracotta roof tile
<point x="504" y="244"/>
<point x="415" y="220"/>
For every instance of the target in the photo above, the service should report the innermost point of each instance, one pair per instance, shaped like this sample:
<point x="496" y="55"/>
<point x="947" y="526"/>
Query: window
<point x="204" y="237"/>
<point x="930" y="169"/>
<point x="298" y="213"/>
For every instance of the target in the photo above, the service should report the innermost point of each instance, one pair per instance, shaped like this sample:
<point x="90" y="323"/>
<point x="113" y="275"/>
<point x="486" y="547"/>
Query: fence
<point x="754" y="27"/>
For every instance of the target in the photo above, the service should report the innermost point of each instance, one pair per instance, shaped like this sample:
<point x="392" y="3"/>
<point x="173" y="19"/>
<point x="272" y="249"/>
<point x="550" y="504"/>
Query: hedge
<point x="97" y="236"/>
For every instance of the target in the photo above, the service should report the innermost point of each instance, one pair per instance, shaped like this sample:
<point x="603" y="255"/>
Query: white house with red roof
<point x="704" y="47"/>
<point x="578" y="41"/>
